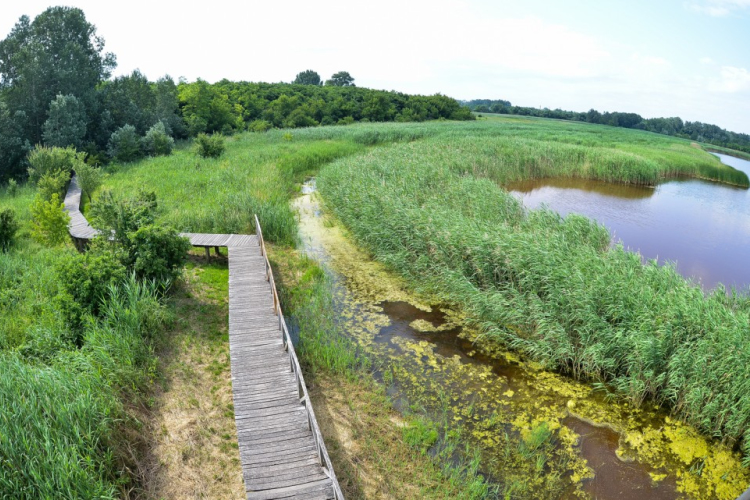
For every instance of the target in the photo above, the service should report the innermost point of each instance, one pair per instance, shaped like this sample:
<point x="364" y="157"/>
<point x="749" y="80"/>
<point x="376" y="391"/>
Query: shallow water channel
<point x="702" y="226"/>
<point x="541" y="435"/>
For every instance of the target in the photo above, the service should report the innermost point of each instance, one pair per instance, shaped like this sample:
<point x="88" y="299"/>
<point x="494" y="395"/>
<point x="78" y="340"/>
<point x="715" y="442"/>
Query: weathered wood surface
<point x="281" y="450"/>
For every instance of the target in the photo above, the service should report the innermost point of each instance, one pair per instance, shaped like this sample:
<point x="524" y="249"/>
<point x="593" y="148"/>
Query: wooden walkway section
<point x="281" y="448"/>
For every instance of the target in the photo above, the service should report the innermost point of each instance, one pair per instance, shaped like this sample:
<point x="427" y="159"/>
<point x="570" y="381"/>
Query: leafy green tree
<point x="13" y="145"/>
<point x="157" y="142"/>
<point x="52" y="161"/>
<point x="89" y="178"/>
<point x="204" y="108"/>
<point x="168" y="107"/>
<point x="8" y="228"/>
<point x="130" y="100"/>
<point x="341" y="79"/>
<point x="124" y="144"/>
<point x="66" y="125"/>
<point x="378" y="108"/>
<point x="58" y="53"/>
<point x="49" y="224"/>
<point x="308" y="77"/>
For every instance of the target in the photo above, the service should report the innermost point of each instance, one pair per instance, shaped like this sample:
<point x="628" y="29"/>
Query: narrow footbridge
<point x="281" y="448"/>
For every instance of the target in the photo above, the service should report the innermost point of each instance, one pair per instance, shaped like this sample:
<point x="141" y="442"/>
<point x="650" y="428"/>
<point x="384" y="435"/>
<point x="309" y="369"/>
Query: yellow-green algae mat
<point x="503" y="404"/>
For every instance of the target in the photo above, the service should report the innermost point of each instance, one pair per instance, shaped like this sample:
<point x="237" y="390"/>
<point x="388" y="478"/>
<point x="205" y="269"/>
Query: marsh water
<point x="432" y="362"/>
<point x="702" y="226"/>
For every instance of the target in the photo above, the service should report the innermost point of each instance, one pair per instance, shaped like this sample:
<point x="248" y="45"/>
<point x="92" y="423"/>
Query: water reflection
<point x="702" y="226"/>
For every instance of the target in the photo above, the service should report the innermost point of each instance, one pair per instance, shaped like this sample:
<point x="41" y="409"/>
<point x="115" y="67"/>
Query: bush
<point x="122" y="217"/>
<point x="157" y="141"/>
<point x="157" y="253"/>
<point x="124" y="144"/>
<point x="53" y="183"/>
<point x="8" y="228"/>
<point x="259" y="126"/>
<point x="44" y="160"/>
<point x="49" y="221"/>
<point x="209" y="146"/>
<point x="89" y="178"/>
<point x="85" y="280"/>
<point x="12" y="188"/>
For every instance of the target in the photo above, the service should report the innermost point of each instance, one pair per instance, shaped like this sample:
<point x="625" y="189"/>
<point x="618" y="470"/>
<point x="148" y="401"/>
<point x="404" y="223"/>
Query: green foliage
<point x="56" y="53"/>
<point x="547" y="286"/>
<point x="259" y="126"/>
<point x="50" y="221"/>
<point x="125" y="145"/>
<point x="89" y="178"/>
<point x="14" y="146"/>
<point x="52" y="161"/>
<point x="66" y="122"/>
<point x="205" y="108"/>
<point x="421" y="434"/>
<point x="341" y="79"/>
<point x="86" y="280"/>
<point x="8" y="228"/>
<point x="53" y="183"/>
<point x="157" y="253"/>
<point x="209" y="146"/>
<point x="153" y="252"/>
<point x="12" y="188"/>
<point x="62" y="418"/>
<point x="308" y="77"/>
<point x="157" y="142"/>
<point x="122" y="217"/>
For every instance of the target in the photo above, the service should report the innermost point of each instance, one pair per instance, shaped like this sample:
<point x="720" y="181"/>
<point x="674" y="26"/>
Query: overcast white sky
<point x="686" y="58"/>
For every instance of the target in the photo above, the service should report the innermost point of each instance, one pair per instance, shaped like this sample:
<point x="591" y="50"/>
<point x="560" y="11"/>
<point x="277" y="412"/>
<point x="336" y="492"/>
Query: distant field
<point x="259" y="172"/>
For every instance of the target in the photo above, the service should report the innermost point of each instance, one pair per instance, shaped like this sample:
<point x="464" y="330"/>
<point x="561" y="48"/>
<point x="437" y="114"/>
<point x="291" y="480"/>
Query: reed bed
<point x="546" y="286"/>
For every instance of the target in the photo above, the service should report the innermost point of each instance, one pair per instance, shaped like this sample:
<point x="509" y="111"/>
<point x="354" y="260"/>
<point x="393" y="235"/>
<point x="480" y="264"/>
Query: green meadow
<point x="426" y="199"/>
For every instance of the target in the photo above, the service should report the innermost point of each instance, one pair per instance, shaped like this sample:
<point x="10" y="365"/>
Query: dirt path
<point x="194" y="453"/>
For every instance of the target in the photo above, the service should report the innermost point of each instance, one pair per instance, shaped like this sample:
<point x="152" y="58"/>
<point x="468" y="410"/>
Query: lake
<point x="704" y="227"/>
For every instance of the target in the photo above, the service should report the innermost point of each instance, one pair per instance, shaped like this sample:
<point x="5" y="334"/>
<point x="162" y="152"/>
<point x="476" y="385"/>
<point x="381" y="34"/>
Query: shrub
<point x="49" y="221"/>
<point x="259" y="126"/>
<point x="157" y="141"/>
<point x="157" y="253"/>
<point x="89" y="178"/>
<point x="53" y="183"/>
<point x="85" y="280"/>
<point x="124" y="144"/>
<point x="122" y="217"/>
<point x="347" y="120"/>
<point x="44" y="160"/>
<point x="8" y="228"/>
<point x="12" y="188"/>
<point x="209" y="146"/>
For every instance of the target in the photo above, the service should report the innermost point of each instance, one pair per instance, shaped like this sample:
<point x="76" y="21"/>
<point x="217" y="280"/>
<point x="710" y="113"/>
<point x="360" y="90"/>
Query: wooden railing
<point x="325" y="460"/>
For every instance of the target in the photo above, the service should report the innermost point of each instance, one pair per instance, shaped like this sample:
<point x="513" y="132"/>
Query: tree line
<point x="675" y="126"/>
<point x="57" y="90"/>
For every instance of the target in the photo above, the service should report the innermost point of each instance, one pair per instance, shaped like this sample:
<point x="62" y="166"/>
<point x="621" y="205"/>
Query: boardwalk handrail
<point x="325" y="460"/>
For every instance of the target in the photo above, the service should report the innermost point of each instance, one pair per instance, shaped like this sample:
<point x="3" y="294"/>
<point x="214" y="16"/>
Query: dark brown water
<point x="702" y="226"/>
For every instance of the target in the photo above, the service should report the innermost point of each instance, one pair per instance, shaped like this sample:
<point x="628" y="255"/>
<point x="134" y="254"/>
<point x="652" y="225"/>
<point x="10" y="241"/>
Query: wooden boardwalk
<point x="281" y="449"/>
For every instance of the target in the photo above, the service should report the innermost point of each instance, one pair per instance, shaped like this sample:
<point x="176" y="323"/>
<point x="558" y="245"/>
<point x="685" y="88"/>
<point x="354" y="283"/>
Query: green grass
<point x="546" y="286"/>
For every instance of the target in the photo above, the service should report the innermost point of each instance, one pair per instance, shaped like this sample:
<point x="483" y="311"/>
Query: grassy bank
<point x="546" y="286"/>
<point x="377" y="451"/>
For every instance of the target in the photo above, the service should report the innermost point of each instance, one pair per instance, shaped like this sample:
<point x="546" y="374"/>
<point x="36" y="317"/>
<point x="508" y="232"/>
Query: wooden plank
<point x="278" y="449"/>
